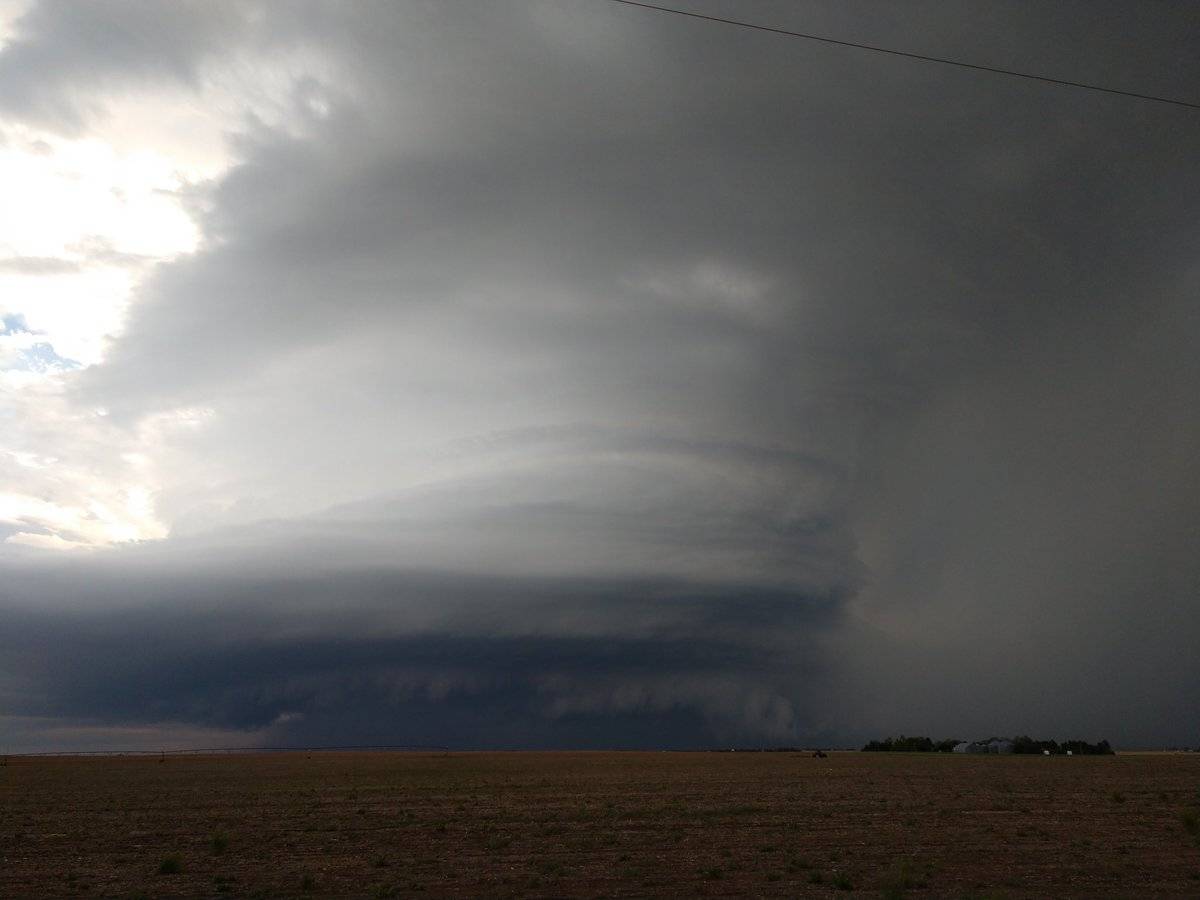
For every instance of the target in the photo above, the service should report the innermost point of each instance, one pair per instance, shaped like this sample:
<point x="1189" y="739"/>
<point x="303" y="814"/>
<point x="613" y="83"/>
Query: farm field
<point x="383" y="824"/>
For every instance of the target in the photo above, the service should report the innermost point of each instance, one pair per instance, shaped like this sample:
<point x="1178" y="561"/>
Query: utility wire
<point x="936" y="59"/>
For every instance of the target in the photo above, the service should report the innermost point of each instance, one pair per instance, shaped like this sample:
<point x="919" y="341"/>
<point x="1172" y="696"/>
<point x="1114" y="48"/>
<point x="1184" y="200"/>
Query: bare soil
<point x="376" y="824"/>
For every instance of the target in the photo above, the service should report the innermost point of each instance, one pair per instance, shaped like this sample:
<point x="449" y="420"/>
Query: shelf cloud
<point x="563" y="374"/>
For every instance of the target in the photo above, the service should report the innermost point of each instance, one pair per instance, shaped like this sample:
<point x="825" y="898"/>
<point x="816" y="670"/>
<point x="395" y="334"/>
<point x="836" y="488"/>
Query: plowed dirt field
<point x="384" y="824"/>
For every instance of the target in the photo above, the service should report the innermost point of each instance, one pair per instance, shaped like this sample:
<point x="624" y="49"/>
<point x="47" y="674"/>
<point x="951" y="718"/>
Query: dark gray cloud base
<point x="418" y="658"/>
<point x="729" y="388"/>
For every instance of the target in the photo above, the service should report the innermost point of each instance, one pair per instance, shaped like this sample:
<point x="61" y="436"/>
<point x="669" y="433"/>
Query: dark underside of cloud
<point x="577" y="376"/>
<point x="423" y="659"/>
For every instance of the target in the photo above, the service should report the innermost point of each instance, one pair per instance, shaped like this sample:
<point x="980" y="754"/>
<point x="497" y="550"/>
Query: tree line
<point x="1020" y="744"/>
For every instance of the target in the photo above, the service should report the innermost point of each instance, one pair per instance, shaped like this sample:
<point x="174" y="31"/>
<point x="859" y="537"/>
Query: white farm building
<point x="991" y="745"/>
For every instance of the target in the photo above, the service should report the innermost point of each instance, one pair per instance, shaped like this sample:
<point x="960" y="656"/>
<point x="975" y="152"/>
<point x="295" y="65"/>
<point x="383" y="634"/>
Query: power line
<point x="919" y="56"/>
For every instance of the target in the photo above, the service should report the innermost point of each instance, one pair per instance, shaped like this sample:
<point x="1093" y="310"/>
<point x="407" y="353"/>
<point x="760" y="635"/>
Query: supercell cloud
<point x="566" y="374"/>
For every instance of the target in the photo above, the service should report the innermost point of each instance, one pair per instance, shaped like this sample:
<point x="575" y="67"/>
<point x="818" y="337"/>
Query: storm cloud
<point x="568" y="374"/>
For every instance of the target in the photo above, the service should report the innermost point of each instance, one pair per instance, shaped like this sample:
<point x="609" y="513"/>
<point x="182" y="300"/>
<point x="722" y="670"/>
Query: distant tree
<point x="904" y="744"/>
<point x="1083" y="748"/>
<point x="1025" y="744"/>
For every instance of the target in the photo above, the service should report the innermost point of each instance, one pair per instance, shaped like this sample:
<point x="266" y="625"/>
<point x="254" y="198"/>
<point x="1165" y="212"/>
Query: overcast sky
<point x="558" y="373"/>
